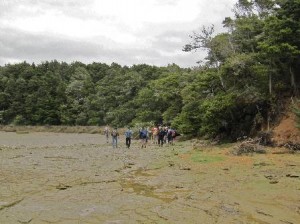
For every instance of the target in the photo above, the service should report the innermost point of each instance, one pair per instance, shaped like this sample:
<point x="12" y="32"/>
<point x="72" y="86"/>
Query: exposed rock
<point x="261" y="164"/>
<point x="269" y="176"/>
<point x="184" y="167"/>
<point x="263" y="213"/>
<point x="62" y="187"/>
<point x="171" y="163"/>
<point x="292" y="175"/>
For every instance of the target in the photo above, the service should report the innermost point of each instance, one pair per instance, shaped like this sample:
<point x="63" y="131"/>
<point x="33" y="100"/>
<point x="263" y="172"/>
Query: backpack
<point x="161" y="133"/>
<point x="143" y="134"/>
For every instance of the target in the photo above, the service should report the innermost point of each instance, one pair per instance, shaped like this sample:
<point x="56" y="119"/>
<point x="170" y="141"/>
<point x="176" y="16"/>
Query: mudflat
<point x="79" y="178"/>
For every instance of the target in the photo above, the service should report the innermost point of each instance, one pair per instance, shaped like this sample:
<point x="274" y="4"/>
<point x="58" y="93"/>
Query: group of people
<point x="158" y="135"/>
<point x="115" y="136"/>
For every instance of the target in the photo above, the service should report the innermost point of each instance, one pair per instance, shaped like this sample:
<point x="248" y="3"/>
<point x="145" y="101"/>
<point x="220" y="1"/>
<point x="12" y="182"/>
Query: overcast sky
<point x="123" y="31"/>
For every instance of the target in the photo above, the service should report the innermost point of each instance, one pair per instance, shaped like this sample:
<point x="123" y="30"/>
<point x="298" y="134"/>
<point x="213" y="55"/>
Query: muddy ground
<point x="79" y="178"/>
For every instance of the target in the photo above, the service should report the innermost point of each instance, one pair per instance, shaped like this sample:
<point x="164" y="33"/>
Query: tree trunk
<point x="217" y="64"/>
<point x="293" y="82"/>
<point x="231" y="44"/>
<point x="270" y="83"/>
<point x="268" y="121"/>
<point x="221" y="78"/>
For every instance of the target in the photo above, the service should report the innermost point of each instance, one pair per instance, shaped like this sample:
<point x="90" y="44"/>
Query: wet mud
<point x="79" y="178"/>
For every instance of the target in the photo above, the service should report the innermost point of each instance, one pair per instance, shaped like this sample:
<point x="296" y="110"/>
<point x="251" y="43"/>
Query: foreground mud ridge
<point x="78" y="178"/>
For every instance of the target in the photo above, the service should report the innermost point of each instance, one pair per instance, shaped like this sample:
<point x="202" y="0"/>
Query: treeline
<point x="235" y="92"/>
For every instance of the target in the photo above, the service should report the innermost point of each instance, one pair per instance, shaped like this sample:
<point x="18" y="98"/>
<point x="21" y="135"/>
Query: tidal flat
<point x="79" y="178"/>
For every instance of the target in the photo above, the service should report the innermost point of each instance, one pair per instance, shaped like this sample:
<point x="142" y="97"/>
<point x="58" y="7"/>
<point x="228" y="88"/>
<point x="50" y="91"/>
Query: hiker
<point x="165" y="136"/>
<point x="175" y="134"/>
<point x="144" y="137"/>
<point x="106" y="133"/>
<point x="128" y="136"/>
<point x="149" y="133"/>
<point x="161" y="136"/>
<point x="155" y="135"/>
<point x="114" y="135"/>
<point x="170" y="136"/>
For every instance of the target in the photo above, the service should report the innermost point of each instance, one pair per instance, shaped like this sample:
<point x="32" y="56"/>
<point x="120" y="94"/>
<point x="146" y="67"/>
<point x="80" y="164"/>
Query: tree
<point x="217" y="48"/>
<point x="281" y="39"/>
<point x="77" y="91"/>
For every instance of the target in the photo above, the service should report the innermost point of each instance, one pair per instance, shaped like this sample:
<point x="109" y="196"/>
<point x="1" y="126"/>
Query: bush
<point x="19" y="120"/>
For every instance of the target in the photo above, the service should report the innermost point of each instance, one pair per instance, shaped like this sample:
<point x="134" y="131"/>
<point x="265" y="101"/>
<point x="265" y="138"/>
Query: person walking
<point x="170" y="135"/>
<point x="114" y="135"/>
<point x="144" y="137"/>
<point x="161" y="135"/>
<point x="155" y="135"/>
<point x="128" y="136"/>
<point x="106" y="133"/>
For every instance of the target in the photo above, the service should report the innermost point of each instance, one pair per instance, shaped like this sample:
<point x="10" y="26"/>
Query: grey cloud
<point x="60" y="3"/>
<point x="17" y="45"/>
<point x="170" y="41"/>
<point x="73" y="8"/>
<point x="164" y="40"/>
<point x="25" y="46"/>
<point x="169" y="38"/>
<point x="20" y="43"/>
<point x="48" y="3"/>
<point x="167" y="2"/>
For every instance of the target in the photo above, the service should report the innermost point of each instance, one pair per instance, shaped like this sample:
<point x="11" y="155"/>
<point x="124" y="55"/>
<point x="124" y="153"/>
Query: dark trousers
<point x="160" y="140"/>
<point x="128" y="142"/>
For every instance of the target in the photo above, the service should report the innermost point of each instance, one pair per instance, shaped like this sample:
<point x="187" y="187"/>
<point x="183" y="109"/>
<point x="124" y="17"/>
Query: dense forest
<point x="235" y="91"/>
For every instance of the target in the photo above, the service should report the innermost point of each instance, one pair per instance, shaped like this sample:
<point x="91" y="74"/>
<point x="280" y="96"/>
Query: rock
<point x="287" y="222"/>
<point x="24" y="219"/>
<point x="185" y="168"/>
<point x="171" y="163"/>
<point x="292" y="175"/>
<point x="230" y="209"/>
<point x="269" y="176"/>
<point x="263" y="213"/>
<point x="127" y="167"/>
<point x="273" y="182"/>
<point x="291" y="164"/>
<point x="261" y="164"/>
<point x="63" y="187"/>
